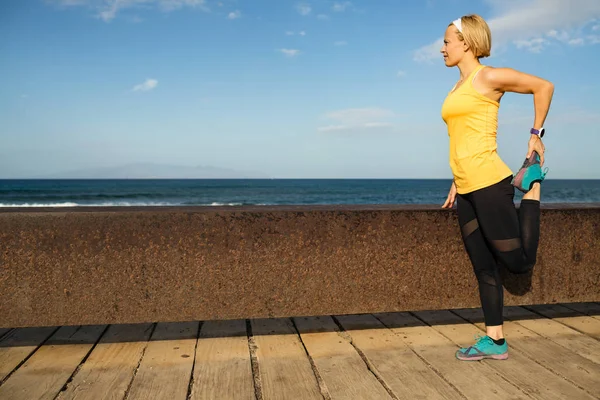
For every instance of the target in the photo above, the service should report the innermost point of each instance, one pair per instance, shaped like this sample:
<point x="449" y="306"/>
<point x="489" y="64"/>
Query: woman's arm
<point x="509" y="80"/>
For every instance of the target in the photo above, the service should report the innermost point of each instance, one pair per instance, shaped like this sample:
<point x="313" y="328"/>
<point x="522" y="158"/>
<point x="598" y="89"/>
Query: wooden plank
<point x="109" y="369"/>
<point x="582" y="323"/>
<point x="561" y="361"/>
<point x="473" y="380"/>
<point x="284" y="368"/>
<point x="529" y="376"/>
<point x="223" y="368"/>
<point x="392" y="360"/>
<point x="166" y="369"/>
<point x="561" y="334"/>
<point x="44" y="374"/>
<point x="344" y="373"/>
<point x="18" y="344"/>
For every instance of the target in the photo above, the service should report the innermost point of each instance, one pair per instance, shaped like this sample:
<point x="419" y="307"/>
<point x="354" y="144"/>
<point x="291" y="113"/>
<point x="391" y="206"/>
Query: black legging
<point x="493" y="232"/>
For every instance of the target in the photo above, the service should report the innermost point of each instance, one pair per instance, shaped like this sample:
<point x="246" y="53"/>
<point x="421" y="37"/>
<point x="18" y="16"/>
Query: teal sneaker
<point x="530" y="172"/>
<point x="483" y="348"/>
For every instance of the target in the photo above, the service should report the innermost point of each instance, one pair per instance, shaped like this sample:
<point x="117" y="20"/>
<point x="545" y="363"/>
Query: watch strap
<point x="539" y="132"/>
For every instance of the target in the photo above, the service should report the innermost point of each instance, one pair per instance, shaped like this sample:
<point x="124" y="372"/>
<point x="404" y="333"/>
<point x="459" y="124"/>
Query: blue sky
<point x="290" y="89"/>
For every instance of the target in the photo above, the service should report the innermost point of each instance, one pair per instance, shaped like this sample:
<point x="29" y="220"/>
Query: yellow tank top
<point x="472" y="121"/>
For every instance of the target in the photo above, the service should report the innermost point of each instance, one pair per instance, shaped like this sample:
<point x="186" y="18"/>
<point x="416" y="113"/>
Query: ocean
<point x="239" y="192"/>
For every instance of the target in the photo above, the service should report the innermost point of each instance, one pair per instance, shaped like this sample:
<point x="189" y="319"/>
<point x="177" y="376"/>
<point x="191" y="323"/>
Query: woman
<point x="483" y="186"/>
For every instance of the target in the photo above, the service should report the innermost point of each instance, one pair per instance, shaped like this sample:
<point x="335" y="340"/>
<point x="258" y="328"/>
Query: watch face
<point x="542" y="131"/>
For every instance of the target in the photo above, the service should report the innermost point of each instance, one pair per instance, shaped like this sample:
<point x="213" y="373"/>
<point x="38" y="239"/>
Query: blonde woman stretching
<point x="483" y="187"/>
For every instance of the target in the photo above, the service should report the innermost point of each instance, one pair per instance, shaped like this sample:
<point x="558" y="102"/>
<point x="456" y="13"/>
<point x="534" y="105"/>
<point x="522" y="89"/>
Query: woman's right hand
<point x="451" y="197"/>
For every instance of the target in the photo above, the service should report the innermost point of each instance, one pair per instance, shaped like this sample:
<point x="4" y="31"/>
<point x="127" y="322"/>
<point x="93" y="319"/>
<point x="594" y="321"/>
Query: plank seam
<point x="429" y="365"/>
<point x="29" y="356"/>
<point x="566" y="305"/>
<point x="488" y="366"/>
<point x="137" y="368"/>
<point x="562" y="323"/>
<point x="322" y="386"/>
<point x="254" y="362"/>
<point x="191" y="382"/>
<point x="75" y="332"/>
<point x="348" y="337"/>
<point x="550" y="338"/>
<point x="529" y="356"/>
<point x="5" y="333"/>
<point x="83" y="360"/>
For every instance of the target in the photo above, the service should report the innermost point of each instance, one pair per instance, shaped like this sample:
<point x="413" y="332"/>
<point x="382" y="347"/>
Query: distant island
<point x="155" y="171"/>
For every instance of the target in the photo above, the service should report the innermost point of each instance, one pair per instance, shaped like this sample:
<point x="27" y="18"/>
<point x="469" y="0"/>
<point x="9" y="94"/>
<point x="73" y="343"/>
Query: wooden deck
<point x="554" y="354"/>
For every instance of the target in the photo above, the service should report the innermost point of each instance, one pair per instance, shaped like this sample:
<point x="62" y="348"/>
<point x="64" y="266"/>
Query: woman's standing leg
<point x="491" y="292"/>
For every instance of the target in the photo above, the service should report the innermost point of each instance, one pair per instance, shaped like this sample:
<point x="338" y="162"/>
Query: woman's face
<point x="453" y="49"/>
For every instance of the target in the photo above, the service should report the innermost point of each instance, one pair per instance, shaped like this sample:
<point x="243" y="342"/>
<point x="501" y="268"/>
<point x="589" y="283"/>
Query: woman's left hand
<point x="535" y="143"/>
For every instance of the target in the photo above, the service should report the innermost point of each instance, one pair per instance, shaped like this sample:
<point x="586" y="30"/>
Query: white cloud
<point x="234" y="14"/>
<point x="289" y="33"/>
<point x="401" y="73"/>
<point x="332" y="128"/>
<point x="563" y="36"/>
<point x="535" y="45"/>
<point x="596" y="27"/>
<point x="357" y="120"/>
<point x="377" y="125"/>
<point x="303" y="8"/>
<point x="290" y="52"/>
<point x="429" y="52"/>
<point x="567" y="38"/>
<point x="302" y="33"/>
<point x="341" y="6"/>
<point x="107" y="10"/>
<point x="177" y="4"/>
<point x="576" y="42"/>
<point x="521" y="22"/>
<point x="323" y="17"/>
<point x="340" y="43"/>
<point x="149" y="84"/>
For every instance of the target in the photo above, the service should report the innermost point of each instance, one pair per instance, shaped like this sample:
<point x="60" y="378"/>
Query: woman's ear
<point x="465" y="46"/>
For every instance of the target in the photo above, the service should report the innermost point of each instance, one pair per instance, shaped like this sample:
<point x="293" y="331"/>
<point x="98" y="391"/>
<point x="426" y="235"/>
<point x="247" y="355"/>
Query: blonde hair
<point x="476" y="33"/>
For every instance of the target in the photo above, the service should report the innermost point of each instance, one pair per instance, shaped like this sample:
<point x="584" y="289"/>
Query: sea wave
<point x="40" y="205"/>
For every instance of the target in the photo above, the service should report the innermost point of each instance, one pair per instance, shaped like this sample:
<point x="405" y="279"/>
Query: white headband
<point x="458" y="24"/>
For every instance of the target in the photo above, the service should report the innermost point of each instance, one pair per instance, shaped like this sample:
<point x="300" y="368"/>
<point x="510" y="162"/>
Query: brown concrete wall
<point x="122" y="265"/>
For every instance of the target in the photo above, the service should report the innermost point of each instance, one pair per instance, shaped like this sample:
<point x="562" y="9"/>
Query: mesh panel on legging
<point x="491" y="292"/>
<point x="518" y="255"/>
